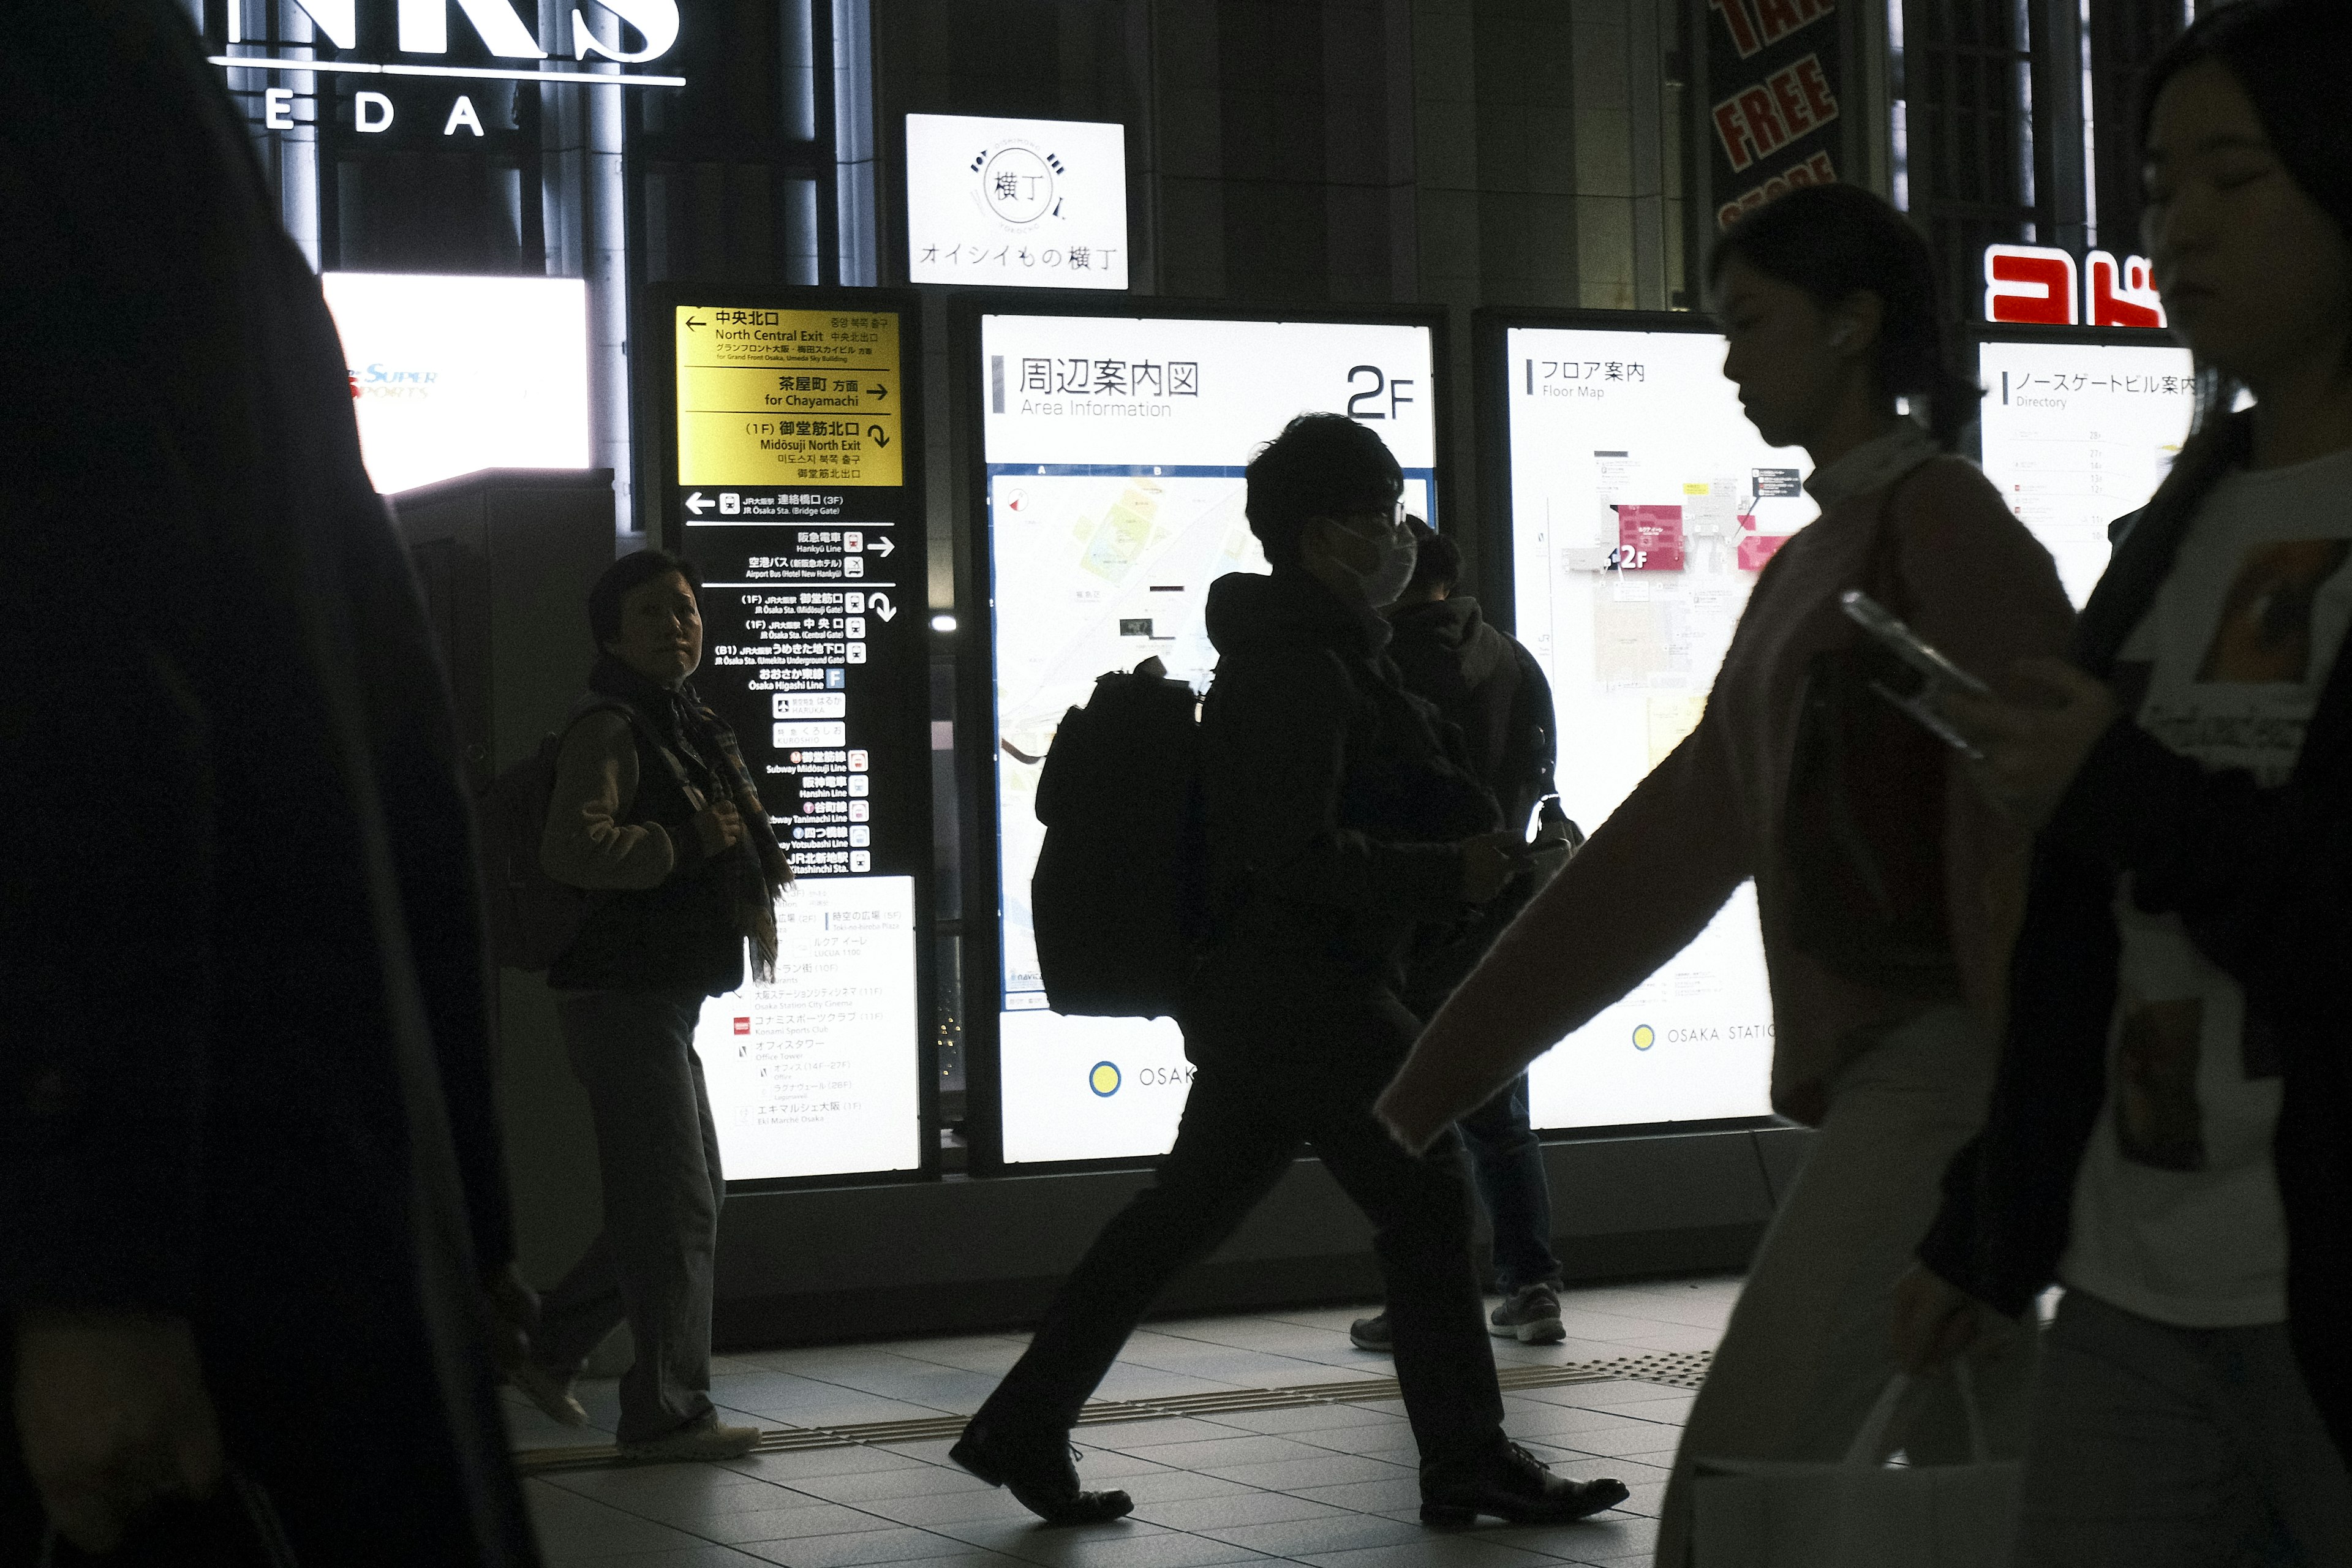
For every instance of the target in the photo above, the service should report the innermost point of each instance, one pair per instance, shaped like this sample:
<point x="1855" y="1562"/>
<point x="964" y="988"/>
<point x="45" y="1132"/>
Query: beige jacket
<point x="589" y="843"/>
<point x="1707" y="819"/>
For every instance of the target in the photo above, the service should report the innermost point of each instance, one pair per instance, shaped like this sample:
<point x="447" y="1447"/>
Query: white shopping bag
<point x="1755" y="1513"/>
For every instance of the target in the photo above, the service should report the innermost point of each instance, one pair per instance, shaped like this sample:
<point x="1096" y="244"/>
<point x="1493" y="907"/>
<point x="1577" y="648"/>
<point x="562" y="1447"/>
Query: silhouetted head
<point x="1325" y="475"/>
<point x="1437" y="571"/>
<point x="1825" y="283"/>
<point x="2248" y="163"/>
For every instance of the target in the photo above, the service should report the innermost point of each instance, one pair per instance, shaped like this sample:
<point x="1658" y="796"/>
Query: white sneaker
<point x="551" y="1391"/>
<point x="709" y="1439"/>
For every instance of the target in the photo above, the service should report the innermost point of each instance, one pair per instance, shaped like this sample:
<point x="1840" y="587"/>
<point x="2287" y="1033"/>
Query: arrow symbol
<point x="874" y="433"/>
<point x="695" y="322"/>
<point x="878" y="393"/>
<point x="695" y="502"/>
<point x="879" y="603"/>
<point x="882" y="547"/>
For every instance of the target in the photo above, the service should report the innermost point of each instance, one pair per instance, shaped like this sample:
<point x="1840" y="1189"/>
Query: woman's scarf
<point x="680" y="721"/>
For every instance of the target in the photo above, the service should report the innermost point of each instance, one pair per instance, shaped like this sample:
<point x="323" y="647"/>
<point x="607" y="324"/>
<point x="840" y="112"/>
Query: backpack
<point x="1524" y="778"/>
<point x="1119" y="900"/>
<point x="532" y="918"/>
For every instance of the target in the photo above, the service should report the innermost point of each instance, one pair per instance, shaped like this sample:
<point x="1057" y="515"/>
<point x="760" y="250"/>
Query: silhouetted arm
<point x="1646" y="883"/>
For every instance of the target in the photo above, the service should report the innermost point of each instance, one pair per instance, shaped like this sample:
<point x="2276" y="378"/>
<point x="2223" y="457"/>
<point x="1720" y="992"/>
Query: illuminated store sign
<point x="1019" y="203"/>
<point x="2033" y="284"/>
<point x="504" y="33"/>
<point x="1114" y="448"/>
<point x="450" y="376"/>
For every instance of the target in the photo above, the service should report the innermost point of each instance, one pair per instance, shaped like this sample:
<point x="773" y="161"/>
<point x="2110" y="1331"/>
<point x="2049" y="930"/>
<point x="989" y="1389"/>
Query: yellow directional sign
<point x="787" y="397"/>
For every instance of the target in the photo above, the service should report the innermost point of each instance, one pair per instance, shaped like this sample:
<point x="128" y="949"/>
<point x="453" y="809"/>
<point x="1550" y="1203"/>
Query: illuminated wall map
<point x="1642" y="506"/>
<point x="1115" y="451"/>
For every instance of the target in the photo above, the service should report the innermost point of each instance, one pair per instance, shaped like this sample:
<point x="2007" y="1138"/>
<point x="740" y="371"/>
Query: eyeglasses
<point x="1395" y="514"/>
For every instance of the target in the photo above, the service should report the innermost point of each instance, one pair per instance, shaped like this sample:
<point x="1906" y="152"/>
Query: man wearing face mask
<point x="1340" y="820"/>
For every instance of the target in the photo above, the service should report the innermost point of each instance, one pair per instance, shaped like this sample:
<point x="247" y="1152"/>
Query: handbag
<point x="1858" y="1513"/>
<point x="1862" y="822"/>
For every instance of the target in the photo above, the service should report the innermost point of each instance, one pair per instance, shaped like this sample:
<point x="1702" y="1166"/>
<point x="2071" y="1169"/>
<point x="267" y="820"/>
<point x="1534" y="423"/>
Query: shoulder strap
<point x="1532" y="706"/>
<point x="1882" y="575"/>
<point x="589" y="702"/>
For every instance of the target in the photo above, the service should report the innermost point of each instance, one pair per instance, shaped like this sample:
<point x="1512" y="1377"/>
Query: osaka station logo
<point x="1017" y="183"/>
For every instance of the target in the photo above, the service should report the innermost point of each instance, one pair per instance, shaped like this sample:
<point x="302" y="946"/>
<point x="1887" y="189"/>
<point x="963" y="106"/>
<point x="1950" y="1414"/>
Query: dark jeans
<point x="1507" y="1159"/>
<point x="1244" y="1121"/>
<point x="2157" y="1447"/>
<point x="657" y="1154"/>
<point x="1504" y="1150"/>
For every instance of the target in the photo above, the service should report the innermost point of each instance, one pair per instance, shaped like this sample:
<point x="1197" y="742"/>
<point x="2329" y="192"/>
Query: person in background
<point x="2167" y="1137"/>
<point x="1485" y="684"/>
<point x="652" y="810"/>
<point x="1886" y="888"/>
<point x="252" y="1201"/>
<point x="1337" y="822"/>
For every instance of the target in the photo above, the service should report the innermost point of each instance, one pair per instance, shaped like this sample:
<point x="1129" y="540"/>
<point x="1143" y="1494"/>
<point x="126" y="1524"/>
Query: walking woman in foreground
<point x="1885" y="1009"/>
<point x="2169" y="1134"/>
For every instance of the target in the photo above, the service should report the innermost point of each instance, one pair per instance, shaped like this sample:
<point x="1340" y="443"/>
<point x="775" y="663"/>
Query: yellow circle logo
<point x="1104" y="1079"/>
<point x="1645" y="1037"/>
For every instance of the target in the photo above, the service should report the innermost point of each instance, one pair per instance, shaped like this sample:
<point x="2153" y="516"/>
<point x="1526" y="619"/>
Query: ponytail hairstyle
<point x="1836" y="241"/>
<point x="2286" y="56"/>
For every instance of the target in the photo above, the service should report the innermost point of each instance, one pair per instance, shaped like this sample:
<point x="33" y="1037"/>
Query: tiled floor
<point x="1332" y="1486"/>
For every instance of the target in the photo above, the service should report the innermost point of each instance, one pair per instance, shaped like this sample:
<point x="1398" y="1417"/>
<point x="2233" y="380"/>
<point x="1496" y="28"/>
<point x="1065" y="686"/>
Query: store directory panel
<point x="788" y="482"/>
<point x="2077" y="435"/>
<point x="1114" y="450"/>
<point x="1643" y="505"/>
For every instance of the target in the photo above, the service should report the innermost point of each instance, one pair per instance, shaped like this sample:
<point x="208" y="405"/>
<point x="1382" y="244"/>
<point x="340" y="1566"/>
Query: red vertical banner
<point x="1774" y="73"/>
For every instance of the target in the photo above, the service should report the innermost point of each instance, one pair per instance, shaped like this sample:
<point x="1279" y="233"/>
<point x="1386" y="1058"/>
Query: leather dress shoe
<point x="1040" y="1466"/>
<point x="1514" y="1485"/>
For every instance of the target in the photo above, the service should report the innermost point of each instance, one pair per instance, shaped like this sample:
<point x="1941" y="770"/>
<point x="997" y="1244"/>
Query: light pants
<point x="2156" y="1446"/>
<point x="658" y="1154"/>
<point x="1809" y="1348"/>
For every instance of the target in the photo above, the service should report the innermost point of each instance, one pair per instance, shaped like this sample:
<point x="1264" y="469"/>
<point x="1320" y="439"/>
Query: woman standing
<point x="2169" y="1136"/>
<point x="1885" y="1007"/>
<point x="653" y="809"/>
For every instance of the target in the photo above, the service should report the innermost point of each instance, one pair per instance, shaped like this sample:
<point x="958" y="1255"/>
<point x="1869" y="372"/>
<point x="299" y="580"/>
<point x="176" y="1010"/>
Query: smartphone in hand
<point x="1936" y="673"/>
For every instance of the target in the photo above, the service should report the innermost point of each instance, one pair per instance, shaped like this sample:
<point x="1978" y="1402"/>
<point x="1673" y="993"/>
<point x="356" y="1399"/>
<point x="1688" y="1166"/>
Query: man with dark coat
<point x="253" y="1185"/>
<point x="1340" y="820"/>
<point x="1489" y="687"/>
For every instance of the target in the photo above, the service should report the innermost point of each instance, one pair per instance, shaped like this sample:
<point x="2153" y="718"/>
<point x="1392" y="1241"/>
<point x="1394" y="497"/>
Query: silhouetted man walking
<point x="1339" y="823"/>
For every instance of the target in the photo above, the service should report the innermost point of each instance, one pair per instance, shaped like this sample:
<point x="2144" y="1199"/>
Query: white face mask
<point x="1384" y="584"/>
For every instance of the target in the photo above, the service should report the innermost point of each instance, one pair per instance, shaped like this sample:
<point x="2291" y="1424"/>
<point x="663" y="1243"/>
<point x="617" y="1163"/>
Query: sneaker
<point x="1531" y="1316"/>
<point x="1040" y="1468"/>
<point x="550" y="1390"/>
<point x="1372" y="1333"/>
<point x="1513" y="1485"/>
<point x="709" y="1439"/>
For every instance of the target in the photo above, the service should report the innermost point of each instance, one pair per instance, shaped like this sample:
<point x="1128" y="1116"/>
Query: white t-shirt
<point x="2176" y="1208"/>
